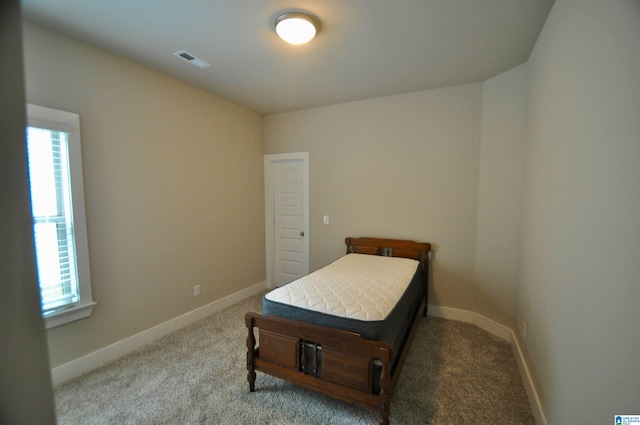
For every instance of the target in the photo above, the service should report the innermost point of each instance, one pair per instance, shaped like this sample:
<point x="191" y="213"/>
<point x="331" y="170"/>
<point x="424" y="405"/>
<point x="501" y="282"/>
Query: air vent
<point x="192" y="59"/>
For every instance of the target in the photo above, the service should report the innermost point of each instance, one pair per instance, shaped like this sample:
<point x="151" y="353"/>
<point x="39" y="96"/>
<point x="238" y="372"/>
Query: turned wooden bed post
<point x="386" y="388"/>
<point x="425" y="277"/>
<point x="424" y="260"/>
<point x="251" y="344"/>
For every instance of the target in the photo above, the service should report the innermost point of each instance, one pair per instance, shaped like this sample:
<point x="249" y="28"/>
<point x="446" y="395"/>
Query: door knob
<point x="301" y="233"/>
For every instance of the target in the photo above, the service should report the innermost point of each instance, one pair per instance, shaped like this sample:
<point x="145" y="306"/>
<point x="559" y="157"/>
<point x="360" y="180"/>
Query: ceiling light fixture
<point x="296" y="27"/>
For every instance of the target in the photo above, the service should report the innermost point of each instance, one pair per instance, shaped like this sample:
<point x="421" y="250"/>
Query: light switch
<point x="326" y="219"/>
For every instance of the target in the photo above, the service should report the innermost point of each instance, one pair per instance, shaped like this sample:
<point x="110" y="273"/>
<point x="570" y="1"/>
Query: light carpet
<point x="455" y="373"/>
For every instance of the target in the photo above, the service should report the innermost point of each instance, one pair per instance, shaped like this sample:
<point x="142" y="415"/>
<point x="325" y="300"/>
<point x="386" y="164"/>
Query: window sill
<point x="68" y="315"/>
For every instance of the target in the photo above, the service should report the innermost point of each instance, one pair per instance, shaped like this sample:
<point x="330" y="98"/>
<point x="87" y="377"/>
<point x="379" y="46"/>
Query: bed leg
<point x="384" y="416"/>
<point x="251" y="344"/>
<point x="425" y="300"/>
<point x="385" y="394"/>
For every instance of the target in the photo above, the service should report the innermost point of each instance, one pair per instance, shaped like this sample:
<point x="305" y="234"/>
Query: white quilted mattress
<point x="356" y="286"/>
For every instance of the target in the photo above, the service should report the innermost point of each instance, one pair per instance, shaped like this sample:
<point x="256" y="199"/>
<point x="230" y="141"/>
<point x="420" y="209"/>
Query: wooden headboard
<point x="388" y="247"/>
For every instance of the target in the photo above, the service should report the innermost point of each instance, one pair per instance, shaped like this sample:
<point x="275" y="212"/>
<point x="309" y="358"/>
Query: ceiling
<point x="364" y="49"/>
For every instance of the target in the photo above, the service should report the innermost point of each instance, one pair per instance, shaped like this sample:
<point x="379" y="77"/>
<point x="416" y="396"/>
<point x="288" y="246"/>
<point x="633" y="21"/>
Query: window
<point x="57" y="206"/>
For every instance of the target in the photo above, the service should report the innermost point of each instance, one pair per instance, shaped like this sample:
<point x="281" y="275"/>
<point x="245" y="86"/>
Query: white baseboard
<point x="534" y="399"/>
<point x="504" y="333"/>
<point x="93" y="360"/>
<point x="494" y="328"/>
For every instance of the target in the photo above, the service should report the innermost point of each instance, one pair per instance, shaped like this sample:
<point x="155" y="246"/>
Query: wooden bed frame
<point x="347" y="358"/>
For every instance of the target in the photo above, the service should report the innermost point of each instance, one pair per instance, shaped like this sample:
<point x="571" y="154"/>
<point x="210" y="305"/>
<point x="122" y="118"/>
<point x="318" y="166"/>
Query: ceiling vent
<point x="192" y="59"/>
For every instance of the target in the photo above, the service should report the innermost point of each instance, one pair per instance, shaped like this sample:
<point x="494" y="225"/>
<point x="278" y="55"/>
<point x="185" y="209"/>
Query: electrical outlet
<point x="196" y="291"/>
<point x="524" y="330"/>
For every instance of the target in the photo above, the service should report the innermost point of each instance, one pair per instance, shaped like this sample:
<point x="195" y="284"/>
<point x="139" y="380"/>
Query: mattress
<point x="372" y="295"/>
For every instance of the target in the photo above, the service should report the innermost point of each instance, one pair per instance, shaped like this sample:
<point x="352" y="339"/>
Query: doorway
<point x="286" y="179"/>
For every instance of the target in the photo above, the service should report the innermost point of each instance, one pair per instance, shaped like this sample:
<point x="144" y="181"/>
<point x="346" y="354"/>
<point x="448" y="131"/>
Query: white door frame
<point x="269" y="161"/>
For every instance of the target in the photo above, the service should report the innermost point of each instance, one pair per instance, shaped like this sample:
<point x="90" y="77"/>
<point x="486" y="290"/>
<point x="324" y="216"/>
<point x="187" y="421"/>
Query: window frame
<point x="68" y="122"/>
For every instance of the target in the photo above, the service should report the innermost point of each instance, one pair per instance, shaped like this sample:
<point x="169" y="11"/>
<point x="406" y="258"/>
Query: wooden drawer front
<point x="279" y="349"/>
<point x="346" y="368"/>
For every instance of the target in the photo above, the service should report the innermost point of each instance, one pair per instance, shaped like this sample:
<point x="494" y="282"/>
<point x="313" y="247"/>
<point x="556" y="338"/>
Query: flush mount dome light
<point x="296" y="27"/>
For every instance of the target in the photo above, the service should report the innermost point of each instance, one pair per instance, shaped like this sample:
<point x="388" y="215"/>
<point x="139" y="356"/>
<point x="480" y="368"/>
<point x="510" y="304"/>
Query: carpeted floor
<point x="455" y="374"/>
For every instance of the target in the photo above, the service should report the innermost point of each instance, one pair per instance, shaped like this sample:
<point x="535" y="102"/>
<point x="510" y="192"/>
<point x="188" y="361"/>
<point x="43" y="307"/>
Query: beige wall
<point x="500" y="194"/>
<point x="174" y="189"/>
<point x="444" y="166"/>
<point x="402" y="166"/>
<point x="25" y="384"/>
<point x="536" y="221"/>
<point x="579" y="271"/>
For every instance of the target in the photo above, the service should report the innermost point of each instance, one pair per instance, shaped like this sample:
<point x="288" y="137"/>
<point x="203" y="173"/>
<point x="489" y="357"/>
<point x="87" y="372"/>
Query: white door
<point x="287" y="207"/>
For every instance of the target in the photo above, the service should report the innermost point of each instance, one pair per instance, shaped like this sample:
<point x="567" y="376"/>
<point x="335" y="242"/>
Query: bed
<point x="315" y="333"/>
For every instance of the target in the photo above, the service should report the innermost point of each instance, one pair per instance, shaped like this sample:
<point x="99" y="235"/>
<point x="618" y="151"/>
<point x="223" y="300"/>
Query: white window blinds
<point x="49" y="175"/>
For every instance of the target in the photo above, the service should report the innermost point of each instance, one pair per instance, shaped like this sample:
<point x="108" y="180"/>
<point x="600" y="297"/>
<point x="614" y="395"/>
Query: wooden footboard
<point x="334" y="362"/>
<point x="330" y="361"/>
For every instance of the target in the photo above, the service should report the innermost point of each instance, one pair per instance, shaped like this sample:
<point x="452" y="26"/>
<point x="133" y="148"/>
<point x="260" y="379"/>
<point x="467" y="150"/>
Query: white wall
<point x="173" y="189"/>
<point x="401" y="166"/>
<point x="579" y="279"/>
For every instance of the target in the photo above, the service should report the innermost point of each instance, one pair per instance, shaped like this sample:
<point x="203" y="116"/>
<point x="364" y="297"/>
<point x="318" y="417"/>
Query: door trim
<point x="269" y="161"/>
